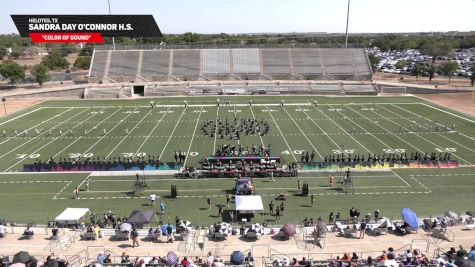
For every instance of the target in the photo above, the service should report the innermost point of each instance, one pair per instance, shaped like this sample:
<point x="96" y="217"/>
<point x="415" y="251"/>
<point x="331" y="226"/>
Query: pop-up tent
<point x="72" y="215"/>
<point x="140" y="218"/>
<point x="249" y="203"/>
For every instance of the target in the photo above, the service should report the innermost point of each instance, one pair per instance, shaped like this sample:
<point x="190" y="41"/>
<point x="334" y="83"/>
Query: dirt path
<point x="462" y="102"/>
<point x="13" y="105"/>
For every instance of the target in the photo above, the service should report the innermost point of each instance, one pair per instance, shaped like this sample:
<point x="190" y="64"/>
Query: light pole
<point x="347" y="20"/>
<point x="113" y="39"/>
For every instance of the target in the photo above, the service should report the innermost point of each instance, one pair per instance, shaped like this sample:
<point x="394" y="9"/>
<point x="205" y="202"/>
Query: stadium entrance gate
<point x="139" y="90"/>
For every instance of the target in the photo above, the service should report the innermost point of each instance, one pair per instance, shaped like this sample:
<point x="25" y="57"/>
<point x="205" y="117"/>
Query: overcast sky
<point x="257" y="16"/>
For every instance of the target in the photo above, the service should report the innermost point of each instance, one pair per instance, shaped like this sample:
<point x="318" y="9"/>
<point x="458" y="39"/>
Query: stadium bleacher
<point x="230" y="64"/>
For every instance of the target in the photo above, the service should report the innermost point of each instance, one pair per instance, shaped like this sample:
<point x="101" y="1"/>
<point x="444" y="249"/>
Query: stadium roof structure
<point x="240" y="64"/>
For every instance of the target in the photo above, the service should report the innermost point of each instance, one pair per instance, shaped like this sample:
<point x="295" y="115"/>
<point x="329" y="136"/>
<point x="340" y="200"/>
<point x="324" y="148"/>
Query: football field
<point x="131" y="129"/>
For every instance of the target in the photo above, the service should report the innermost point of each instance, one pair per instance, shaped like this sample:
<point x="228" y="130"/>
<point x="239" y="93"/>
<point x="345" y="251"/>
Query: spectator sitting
<point x="158" y="234"/>
<point x="154" y="260"/>
<point x="151" y="235"/>
<point x="28" y="231"/>
<point x="471" y="254"/>
<point x="354" y="257"/>
<point x="461" y="252"/>
<point x="108" y="259"/>
<point x="185" y="262"/>
<point x="391" y="253"/>
<point x="249" y="260"/>
<point x="294" y="262"/>
<point x="101" y="258"/>
<point x="345" y="257"/>
<point x="304" y="262"/>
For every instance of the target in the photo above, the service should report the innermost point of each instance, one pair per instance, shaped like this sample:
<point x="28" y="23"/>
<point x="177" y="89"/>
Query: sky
<point x="268" y="16"/>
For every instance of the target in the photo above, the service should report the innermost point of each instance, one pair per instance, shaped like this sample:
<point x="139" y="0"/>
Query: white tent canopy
<point x="72" y="215"/>
<point x="249" y="203"/>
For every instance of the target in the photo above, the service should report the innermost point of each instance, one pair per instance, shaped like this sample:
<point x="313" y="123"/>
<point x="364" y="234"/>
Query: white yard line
<point x="62" y="189"/>
<point x="304" y="135"/>
<point x="283" y="137"/>
<point x="40" y="134"/>
<point x="10" y="138"/>
<point x="354" y="139"/>
<point x="36" y="124"/>
<point x="22" y="115"/>
<point x="398" y="176"/>
<point x="93" y="145"/>
<point x="215" y="131"/>
<point x="412" y="177"/>
<point x="192" y="137"/>
<point x="361" y="127"/>
<point x="88" y="131"/>
<point x="150" y="134"/>
<point x="127" y="135"/>
<point x="427" y="140"/>
<point x="54" y="139"/>
<point x="171" y="135"/>
<point x="426" y="128"/>
<point x="254" y="117"/>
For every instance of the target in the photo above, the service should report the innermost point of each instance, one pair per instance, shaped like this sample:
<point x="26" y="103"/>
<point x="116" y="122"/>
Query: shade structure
<point x="225" y="229"/>
<point x="289" y="230"/>
<point x="451" y="215"/>
<point x="237" y="258"/>
<point x="249" y="203"/>
<point x="410" y="217"/>
<point x="256" y="228"/>
<point x="385" y="222"/>
<point x="125" y="227"/>
<point x="72" y="215"/>
<point x="184" y="224"/>
<point x="140" y="217"/>
<point x="165" y="230"/>
<point x="172" y="258"/>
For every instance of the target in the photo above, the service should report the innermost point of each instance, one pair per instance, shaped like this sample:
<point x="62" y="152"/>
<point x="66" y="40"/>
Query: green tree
<point x="448" y="68"/>
<point x="41" y="74"/>
<point x="12" y="71"/>
<point x="431" y="71"/>
<point x="418" y="70"/>
<point x="87" y="50"/>
<point x="190" y="37"/>
<point x="401" y="64"/>
<point x="374" y="61"/>
<point x="55" y="61"/>
<point x="82" y="63"/>
<point x="436" y="48"/>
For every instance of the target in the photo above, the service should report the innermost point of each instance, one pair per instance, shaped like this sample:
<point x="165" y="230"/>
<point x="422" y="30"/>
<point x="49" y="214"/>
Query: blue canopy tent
<point x="410" y="218"/>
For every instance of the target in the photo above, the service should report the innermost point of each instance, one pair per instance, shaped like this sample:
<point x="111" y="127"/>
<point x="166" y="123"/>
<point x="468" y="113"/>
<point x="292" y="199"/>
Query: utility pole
<point x="347" y="20"/>
<point x="113" y="39"/>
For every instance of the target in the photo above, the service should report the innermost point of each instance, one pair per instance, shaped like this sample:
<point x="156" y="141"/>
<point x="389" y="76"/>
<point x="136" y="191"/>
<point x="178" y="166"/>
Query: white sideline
<point x="24" y="114"/>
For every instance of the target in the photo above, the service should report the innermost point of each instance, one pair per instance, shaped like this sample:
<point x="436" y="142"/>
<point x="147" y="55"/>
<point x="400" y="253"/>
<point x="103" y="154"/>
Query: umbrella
<point x="172" y="258"/>
<point x="125" y="227"/>
<point x="385" y="222"/>
<point x="21" y="257"/>
<point x="257" y="228"/>
<point x="184" y="224"/>
<point x="18" y="265"/>
<point x="237" y="258"/>
<point x="452" y="215"/>
<point x="164" y="228"/>
<point x="225" y="229"/>
<point x="410" y="217"/>
<point x="289" y="230"/>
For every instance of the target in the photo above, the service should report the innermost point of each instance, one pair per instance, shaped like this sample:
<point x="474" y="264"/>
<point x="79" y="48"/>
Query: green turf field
<point x="356" y="125"/>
